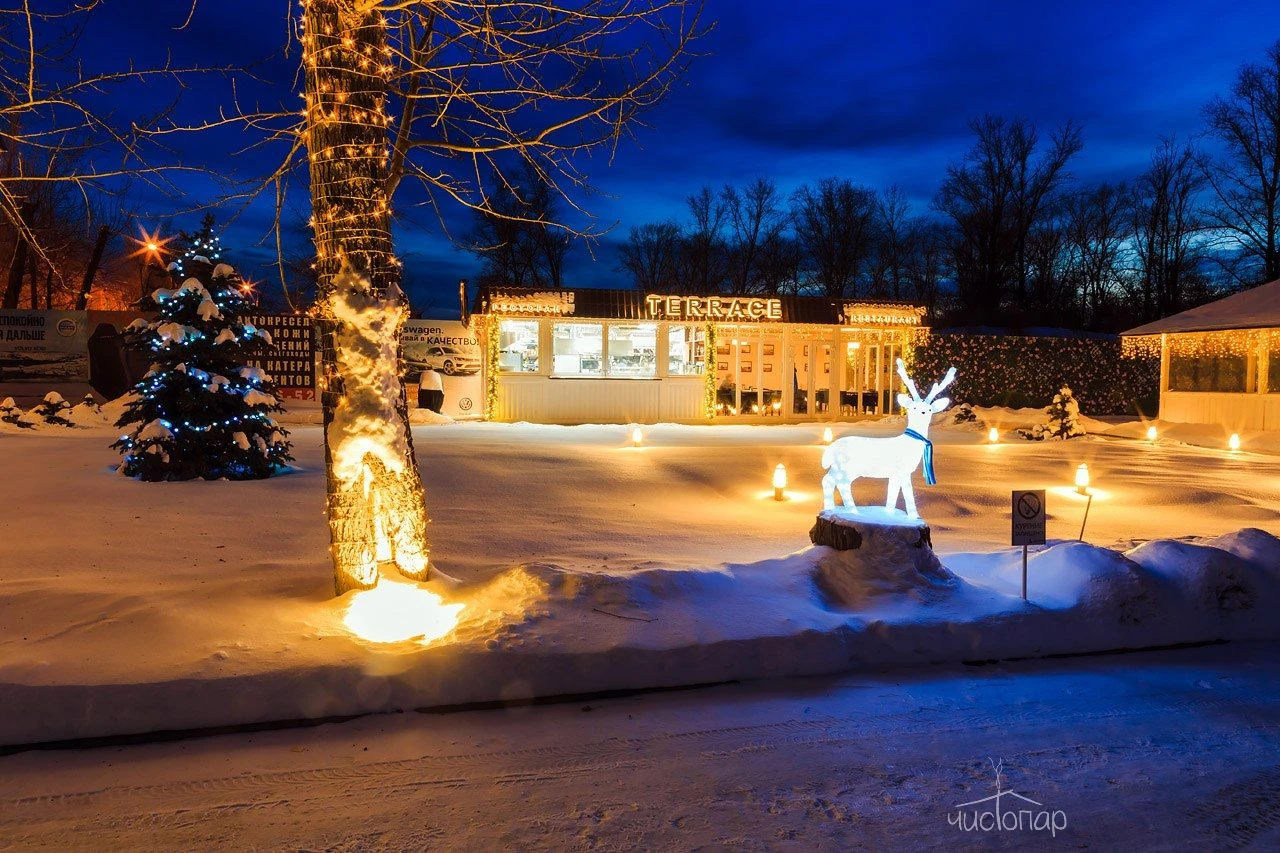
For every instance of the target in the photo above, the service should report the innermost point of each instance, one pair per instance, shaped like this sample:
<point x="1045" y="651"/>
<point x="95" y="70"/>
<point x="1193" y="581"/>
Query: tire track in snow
<point x="544" y="763"/>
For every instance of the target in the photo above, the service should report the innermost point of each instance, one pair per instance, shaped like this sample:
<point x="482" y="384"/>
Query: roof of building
<point x="599" y="303"/>
<point x="1256" y="308"/>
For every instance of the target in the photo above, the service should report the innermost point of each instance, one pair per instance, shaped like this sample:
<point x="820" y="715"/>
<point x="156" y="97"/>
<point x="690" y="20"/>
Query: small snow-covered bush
<point x="964" y="414"/>
<point x="1063" y="419"/>
<point x="51" y="409"/>
<point x="87" y="413"/>
<point x="11" y="414"/>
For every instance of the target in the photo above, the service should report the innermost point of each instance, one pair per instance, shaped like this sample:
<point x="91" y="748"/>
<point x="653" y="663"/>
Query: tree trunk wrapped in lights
<point x="481" y="89"/>
<point x="376" y="507"/>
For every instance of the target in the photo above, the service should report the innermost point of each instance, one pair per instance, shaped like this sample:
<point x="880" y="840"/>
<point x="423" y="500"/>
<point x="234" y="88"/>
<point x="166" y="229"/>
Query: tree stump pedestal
<point x="874" y="528"/>
<point x="877" y="552"/>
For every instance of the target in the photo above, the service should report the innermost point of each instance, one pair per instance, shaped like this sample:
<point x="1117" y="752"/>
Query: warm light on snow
<point x="1233" y="443"/>
<point x="395" y="612"/>
<point x="1082" y="479"/>
<point x="1151" y="433"/>
<point x="779" y="481"/>
<point x="993" y="435"/>
<point x="827" y="436"/>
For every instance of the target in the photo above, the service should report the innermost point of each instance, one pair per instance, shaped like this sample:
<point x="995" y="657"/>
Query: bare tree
<point x="1246" y="179"/>
<point x="1168" y="230"/>
<point x="996" y="196"/>
<point x="1097" y="229"/>
<point x="780" y="266"/>
<point x="651" y="255"/>
<point x="704" y="260"/>
<point x="891" y="243"/>
<point x="480" y="89"/>
<point x="929" y="243"/>
<point x="834" y="222"/>
<point x="517" y="234"/>
<point x="61" y="149"/>
<point x="1051" y="298"/>
<point x="755" y="218"/>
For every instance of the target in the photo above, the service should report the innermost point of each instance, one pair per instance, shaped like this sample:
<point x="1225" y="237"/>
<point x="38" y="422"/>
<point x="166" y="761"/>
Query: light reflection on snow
<point x="1071" y="493"/>
<point x="396" y="612"/>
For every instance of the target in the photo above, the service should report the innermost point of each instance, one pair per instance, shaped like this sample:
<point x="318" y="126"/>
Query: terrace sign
<point x="713" y="308"/>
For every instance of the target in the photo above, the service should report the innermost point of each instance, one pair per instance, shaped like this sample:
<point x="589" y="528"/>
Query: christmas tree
<point x="204" y="246"/>
<point x="201" y="411"/>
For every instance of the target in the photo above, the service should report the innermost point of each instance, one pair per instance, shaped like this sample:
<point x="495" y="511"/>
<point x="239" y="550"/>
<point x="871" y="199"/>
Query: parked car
<point x="450" y="361"/>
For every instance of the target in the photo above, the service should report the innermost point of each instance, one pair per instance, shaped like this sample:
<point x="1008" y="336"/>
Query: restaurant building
<point x="623" y="356"/>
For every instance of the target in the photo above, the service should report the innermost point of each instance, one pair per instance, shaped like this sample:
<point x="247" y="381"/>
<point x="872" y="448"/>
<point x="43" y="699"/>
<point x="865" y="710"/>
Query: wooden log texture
<point x="848" y="533"/>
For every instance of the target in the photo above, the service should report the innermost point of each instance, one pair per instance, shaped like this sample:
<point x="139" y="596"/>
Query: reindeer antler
<point x="911" y="386"/>
<point x="938" y="386"/>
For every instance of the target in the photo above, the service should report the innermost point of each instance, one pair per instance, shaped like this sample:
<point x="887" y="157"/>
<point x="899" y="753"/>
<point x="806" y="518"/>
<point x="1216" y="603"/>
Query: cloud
<point x="879" y="93"/>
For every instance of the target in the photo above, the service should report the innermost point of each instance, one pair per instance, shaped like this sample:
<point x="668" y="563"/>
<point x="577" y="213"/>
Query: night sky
<point x="879" y="93"/>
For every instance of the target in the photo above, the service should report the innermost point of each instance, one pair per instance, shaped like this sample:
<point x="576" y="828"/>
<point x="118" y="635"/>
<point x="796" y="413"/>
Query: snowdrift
<point x="539" y="630"/>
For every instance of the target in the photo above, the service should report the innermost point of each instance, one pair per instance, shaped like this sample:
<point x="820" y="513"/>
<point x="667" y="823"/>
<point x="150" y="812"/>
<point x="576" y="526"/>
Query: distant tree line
<point x="1011" y="238"/>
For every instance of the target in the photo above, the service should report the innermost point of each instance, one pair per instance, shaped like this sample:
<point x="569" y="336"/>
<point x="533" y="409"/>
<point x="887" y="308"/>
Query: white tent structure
<point x="1220" y="363"/>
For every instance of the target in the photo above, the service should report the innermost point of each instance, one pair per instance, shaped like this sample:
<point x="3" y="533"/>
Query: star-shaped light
<point x="150" y="245"/>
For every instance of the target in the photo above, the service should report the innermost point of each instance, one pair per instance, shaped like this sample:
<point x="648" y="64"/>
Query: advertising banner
<point x="292" y="361"/>
<point x="44" y="346"/>
<point x="444" y="353"/>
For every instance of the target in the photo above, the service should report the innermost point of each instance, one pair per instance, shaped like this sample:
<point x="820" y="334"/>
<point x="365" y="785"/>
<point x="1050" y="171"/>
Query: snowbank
<point x="544" y="630"/>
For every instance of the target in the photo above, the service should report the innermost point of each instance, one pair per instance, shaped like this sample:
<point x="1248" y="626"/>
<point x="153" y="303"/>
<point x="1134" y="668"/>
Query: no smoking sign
<point x="1028" y="517"/>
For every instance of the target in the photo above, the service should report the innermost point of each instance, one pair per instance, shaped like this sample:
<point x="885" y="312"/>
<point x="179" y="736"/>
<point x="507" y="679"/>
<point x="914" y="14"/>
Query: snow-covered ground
<point x="1171" y="750"/>
<point x="583" y="563"/>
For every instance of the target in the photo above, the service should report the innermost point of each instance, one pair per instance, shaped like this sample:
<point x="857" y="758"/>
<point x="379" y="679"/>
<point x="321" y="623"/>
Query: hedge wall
<point x="1018" y="371"/>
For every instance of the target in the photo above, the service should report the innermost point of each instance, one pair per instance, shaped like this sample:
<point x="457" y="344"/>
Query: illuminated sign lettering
<point x="873" y="314"/>
<point x="714" y="308"/>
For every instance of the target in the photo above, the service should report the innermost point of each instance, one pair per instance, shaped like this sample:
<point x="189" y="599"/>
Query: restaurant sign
<point x="725" y="308"/>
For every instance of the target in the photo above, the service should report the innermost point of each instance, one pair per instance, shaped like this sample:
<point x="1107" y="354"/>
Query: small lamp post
<point x="1082" y="479"/>
<point x="637" y="436"/>
<point x="1151" y="433"/>
<point x="827" y="436"/>
<point x="1233" y="443"/>
<point x="993" y="435"/>
<point x="779" y="482"/>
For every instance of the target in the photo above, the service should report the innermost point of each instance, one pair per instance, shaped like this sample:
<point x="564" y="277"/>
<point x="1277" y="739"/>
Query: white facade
<point x="651" y="366"/>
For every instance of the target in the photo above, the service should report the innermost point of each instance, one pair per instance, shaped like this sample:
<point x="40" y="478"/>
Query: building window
<point x="687" y="350"/>
<point x="518" y="346"/>
<point x="633" y="351"/>
<point x="1209" y="372"/>
<point x="579" y="349"/>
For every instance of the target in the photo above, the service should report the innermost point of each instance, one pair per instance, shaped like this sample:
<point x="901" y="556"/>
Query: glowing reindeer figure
<point x="894" y="459"/>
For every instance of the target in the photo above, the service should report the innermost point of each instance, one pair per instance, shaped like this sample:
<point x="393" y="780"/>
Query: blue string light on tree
<point x="201" y="411"/>
<point x="204" y="245"/>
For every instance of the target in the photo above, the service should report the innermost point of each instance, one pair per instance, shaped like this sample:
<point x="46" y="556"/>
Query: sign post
<point x="1028" y="524"/>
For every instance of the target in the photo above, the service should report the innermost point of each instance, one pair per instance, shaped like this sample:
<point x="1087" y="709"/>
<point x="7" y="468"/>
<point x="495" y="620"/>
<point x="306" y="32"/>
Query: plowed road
<point x="1174" y="749"/>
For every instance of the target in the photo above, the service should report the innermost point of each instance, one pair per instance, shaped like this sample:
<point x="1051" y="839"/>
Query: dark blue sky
<point x="880" y="93"/>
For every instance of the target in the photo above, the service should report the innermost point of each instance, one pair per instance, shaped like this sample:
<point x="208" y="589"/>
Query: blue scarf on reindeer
<point x="929" y="476"/>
